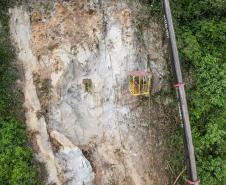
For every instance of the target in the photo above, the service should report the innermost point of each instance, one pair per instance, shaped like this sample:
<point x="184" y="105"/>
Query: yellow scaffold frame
<point x="139" y="83"/>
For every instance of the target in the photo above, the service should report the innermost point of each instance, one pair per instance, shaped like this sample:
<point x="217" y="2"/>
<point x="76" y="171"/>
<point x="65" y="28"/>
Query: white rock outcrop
<point x="73" y="167"/>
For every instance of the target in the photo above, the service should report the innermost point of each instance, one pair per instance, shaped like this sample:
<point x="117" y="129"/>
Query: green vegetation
<point x="16" y="160"/>
<point x="201" y="35"/>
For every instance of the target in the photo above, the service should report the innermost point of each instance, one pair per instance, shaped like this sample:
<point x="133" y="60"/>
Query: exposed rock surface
<point x="73" y="167"/>
<point x="76" y="57"/>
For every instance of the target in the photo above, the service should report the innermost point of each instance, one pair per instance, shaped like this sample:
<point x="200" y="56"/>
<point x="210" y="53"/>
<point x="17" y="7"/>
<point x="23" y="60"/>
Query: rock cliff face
<point x="86" y="127"/>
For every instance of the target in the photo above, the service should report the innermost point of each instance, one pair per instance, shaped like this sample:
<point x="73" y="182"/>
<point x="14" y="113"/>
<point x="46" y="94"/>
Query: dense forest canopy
<point x="201" y="33"/>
